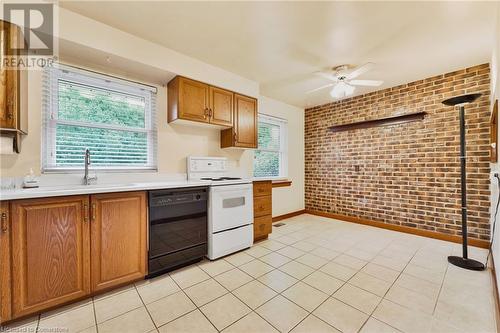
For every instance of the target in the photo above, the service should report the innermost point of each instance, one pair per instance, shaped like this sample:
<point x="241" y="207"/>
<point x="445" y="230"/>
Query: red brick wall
<point x="406" y="174"/>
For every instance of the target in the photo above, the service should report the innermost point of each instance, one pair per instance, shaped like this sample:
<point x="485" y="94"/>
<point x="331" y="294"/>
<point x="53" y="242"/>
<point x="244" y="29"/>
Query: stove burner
<point x="221" y="179"/>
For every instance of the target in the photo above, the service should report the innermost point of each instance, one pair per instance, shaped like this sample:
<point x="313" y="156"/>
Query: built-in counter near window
<point x="281" y="183"/>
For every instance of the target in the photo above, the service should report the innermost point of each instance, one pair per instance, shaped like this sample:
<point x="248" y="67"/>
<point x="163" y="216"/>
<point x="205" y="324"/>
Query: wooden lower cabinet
<point x="118" y="232"/>
<point x="262" y="226"/>
<point x="262" y="209"/>
<point x="5" y="273"/>
<point x="57" y="250"/>
<point x="50" y="252"/>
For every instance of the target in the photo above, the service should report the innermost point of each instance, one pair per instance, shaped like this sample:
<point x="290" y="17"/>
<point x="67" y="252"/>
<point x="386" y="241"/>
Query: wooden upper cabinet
<point x="188" y="99"/>
<point x="246" y="122"/>
<point x="50" y="252"/>
<point x="244" y="131"/>
<point x="6" y="116"/>
<point x="193" y="100"/>
<point x="197" y="101"/>
<point x="118" y="233"/>
<point x="13" y="84"/>
<point x="221" y="107"/>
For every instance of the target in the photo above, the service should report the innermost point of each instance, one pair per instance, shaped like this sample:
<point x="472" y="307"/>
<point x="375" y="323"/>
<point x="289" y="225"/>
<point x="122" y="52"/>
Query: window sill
<point x="98" y="170"/>
<point x="282" y="183"/>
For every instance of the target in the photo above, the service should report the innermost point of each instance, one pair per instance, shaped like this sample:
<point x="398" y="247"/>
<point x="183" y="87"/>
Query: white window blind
<point x="113" y="118"/>
<point x="270" y="158"/>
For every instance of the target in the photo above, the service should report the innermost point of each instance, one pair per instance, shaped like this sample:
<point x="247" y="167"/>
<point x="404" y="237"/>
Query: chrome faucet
<point x="86" y="179"/>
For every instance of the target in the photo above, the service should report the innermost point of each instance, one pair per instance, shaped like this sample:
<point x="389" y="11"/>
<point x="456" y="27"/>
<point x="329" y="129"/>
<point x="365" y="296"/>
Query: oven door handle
<point x="233" y="202"/>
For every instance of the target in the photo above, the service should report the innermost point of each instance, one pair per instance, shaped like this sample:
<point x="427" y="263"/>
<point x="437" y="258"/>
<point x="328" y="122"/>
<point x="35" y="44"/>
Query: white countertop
<point x="62" y="190"/>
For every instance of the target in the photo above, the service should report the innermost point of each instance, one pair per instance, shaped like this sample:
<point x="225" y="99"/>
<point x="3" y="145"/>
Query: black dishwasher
<point x="177" y="228"/>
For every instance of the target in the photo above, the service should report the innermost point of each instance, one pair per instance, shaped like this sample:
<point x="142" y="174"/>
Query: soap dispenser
<point x="30" y="180"/>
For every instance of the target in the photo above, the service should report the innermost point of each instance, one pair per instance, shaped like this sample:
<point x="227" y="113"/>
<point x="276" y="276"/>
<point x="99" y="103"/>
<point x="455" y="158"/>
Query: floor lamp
<point x="463" y="261"/>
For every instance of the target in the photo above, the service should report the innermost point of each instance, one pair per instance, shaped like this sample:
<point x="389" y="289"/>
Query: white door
<point x="231" y="206"/>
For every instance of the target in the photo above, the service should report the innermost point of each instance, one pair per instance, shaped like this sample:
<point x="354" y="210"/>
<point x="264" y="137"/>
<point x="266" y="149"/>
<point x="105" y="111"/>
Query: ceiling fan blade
<point x="321" y="88"/>
<point x="367" y="83"/>
<point x="327" y="76"/>
<point x="360" y="70"/>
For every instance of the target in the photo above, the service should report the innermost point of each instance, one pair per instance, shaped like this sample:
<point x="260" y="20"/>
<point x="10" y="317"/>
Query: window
<point x="270" y="159"/>
<point x="113" y="118"/>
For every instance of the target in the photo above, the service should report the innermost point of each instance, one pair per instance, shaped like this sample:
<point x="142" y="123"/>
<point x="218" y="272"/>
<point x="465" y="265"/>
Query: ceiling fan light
<point x="349" y="90"/>
<point x="341" y="90"/>
<point x="337" y="92"/>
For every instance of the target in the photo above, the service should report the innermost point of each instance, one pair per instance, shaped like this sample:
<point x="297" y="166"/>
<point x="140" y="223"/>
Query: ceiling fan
<point x="343" y="82"/>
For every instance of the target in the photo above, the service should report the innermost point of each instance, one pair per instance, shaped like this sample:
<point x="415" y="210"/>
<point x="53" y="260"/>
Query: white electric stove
<point x="230" y="205"/>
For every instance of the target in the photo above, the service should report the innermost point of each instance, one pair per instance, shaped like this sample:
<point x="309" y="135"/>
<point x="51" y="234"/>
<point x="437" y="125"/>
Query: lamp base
<point x="470" y="264"/>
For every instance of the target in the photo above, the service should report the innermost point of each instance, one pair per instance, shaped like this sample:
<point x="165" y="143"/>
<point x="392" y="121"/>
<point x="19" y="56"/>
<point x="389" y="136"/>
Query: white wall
<point x="175" y="142"/>
<point x="289" y="199"/>
<point x="495" y="167"/>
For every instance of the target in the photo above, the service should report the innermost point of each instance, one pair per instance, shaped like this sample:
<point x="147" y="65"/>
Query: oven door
<point x="178" y="226"/>
<point x="230" y="206"/>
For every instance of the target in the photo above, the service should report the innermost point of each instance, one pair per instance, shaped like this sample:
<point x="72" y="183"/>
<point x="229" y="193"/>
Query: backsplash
<point x="103" y="177"/>
<point x="406" y="174"/>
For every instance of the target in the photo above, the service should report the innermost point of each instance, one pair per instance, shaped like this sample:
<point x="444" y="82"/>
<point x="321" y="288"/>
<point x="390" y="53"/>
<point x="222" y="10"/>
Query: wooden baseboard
<point x="425" y="233"/>
<point x="495" y="291"/>
<point x="286" y="216"/>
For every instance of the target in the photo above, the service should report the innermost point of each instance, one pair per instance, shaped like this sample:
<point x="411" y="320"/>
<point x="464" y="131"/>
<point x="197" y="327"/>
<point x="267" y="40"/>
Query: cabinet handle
<point x="4" y="222"/>
<point x="85" y="213"/>
<point x="93" y="212"/>
<point x="210" y="113"/>
<point x="235" y="137"/>
<point x="205" y="114"/>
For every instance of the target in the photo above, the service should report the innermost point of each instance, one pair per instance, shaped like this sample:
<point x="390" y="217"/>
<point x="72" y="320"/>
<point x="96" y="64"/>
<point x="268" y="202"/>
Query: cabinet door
<point x="221" y="107"/>
<point x="6" y="80"/>
<point x="245" y="124"/>
<point x="50" y="252"/>
<point x="118" y="232"/>
<point x="262" y="206"/>
<point x="193" y="100"/>
<point x="5" y="273"/>
<point x="262" y="226"/>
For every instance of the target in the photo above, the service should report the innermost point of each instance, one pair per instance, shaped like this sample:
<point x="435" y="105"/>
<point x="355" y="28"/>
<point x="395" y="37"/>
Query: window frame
<point x="283" y="150"/>
<point x="86" y="78"/>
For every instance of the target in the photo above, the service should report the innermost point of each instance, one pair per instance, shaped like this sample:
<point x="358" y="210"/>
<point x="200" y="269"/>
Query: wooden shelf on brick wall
<point x="400" y="119"/>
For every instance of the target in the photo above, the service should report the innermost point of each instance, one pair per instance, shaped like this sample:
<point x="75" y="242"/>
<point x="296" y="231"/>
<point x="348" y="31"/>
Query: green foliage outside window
<point x="267" y="157"/>
<point x="109" y="146"/>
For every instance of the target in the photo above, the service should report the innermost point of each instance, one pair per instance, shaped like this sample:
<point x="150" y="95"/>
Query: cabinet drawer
<point x="262" y="206"/>
<point x="262" y="226"/>
<point x="262" y="188"/>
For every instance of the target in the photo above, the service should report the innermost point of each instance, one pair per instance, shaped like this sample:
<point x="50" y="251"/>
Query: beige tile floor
<point x="313" y="275"/>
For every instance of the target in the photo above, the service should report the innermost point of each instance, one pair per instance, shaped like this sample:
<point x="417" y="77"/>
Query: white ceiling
<point x="280" y="44"/>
